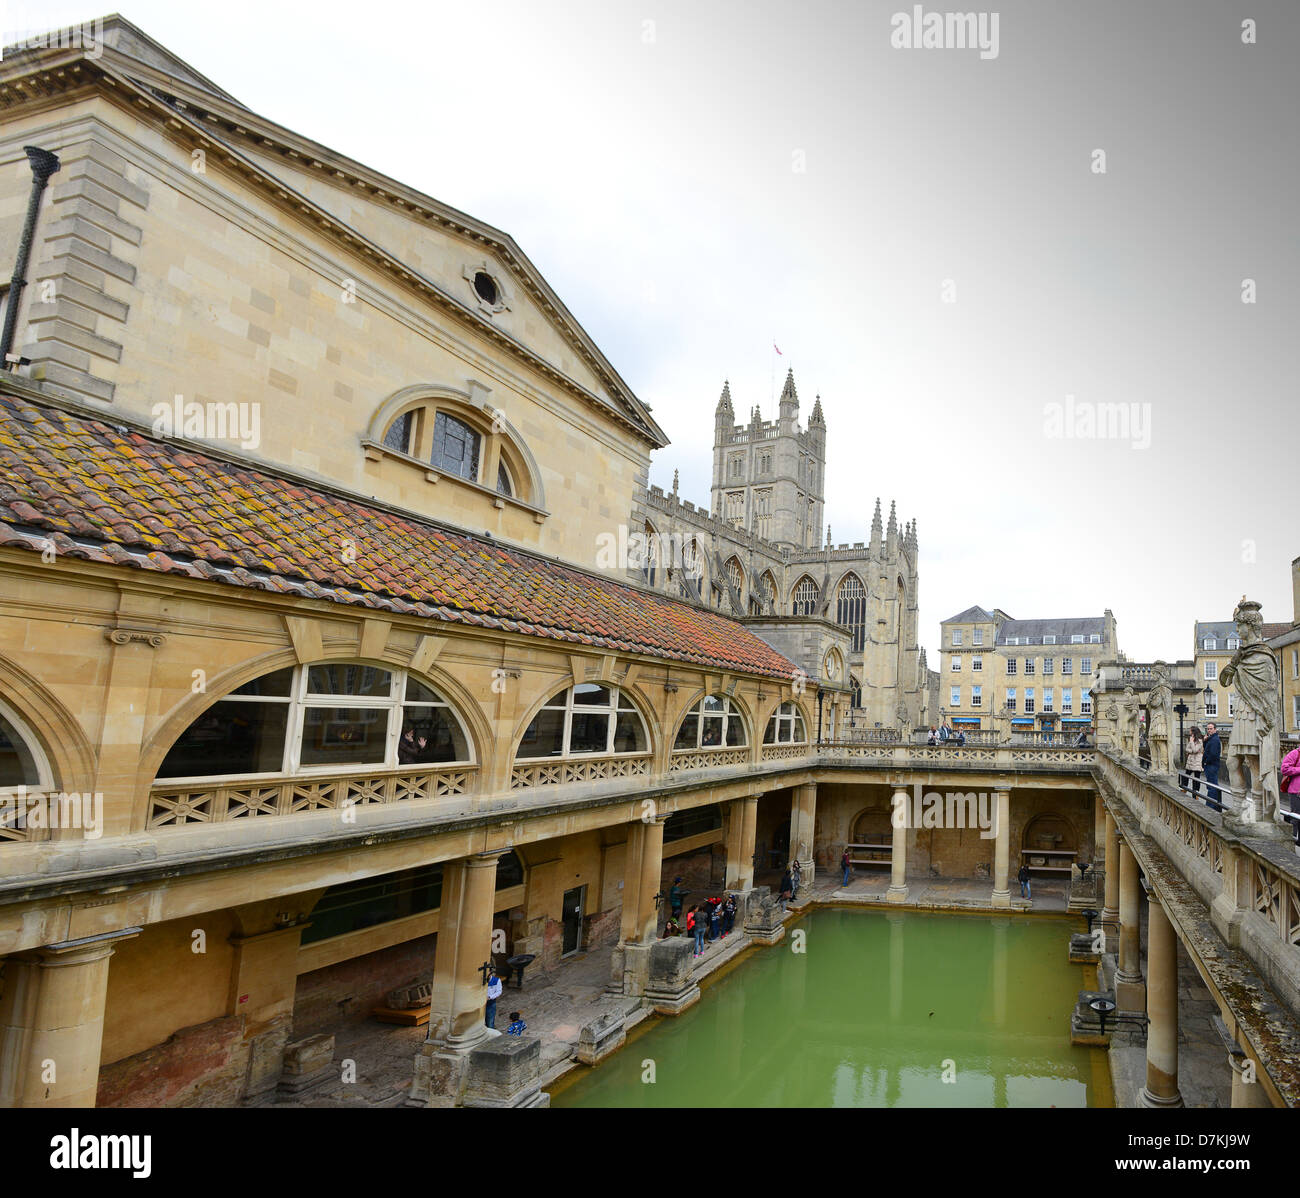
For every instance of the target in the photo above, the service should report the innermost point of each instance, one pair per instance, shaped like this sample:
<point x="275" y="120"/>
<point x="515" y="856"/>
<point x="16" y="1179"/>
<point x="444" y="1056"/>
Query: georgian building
<point x="1022" y="675"/>
<point x="755" y="553"/>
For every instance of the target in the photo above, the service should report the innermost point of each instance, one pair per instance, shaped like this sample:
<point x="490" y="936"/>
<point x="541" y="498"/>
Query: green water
<point x="875" y="1011"/>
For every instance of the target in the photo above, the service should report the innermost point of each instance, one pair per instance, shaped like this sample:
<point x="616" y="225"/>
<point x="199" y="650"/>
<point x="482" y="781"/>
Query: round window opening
<point x="485" y="287"/>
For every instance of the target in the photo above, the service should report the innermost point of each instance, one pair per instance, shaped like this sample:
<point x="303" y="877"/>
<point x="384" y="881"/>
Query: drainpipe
<point x="43" y="164"/>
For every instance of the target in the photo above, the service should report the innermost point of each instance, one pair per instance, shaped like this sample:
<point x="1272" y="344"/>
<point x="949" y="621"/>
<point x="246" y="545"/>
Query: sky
<point x="1040" y="351"/>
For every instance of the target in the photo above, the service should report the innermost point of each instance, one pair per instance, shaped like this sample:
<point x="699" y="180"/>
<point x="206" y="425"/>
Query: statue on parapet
<point x="1128" y="724"/>
<point x="1253" y="745"/>
<point x="1160" y="719"/>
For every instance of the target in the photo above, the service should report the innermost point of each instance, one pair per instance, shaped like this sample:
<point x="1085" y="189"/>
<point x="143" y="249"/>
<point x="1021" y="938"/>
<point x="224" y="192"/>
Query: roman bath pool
<point x="880" y="1009"/>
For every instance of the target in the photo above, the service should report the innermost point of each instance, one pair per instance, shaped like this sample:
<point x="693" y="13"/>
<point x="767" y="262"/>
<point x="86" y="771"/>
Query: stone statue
<point x="1255" y="717"/>
<point x="1128" y="724"/>
<point x="900" y="713"/>
<point x="1160" y="718"/>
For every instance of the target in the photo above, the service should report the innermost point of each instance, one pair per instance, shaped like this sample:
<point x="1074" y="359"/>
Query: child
<point x="517" y="1024"/>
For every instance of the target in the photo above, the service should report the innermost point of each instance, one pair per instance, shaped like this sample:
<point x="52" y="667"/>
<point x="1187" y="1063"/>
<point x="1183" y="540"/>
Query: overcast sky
<point x="700" y="179"/>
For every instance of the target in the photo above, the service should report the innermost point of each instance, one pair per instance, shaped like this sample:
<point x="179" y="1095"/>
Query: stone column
<point x="741" y="831"/>
<point x="642" y="874"/>
<point x="897" y="892"/>
<point x="52" y="1022"/>
<point x="1099" y="845"/>
<point x="1130" y="993"/>
<point x="1161" y="1089"/>
<point x="1110" y="908"/>
<point x="464" y="943"/>
<point x="803" y="818"/>
<point x="1002" y="851"/>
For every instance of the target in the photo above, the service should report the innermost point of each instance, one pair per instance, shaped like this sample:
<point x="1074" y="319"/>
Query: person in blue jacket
<point x="1211" y="752"/>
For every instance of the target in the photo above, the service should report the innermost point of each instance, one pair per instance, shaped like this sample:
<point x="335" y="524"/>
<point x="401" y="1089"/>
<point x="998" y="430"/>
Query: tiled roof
<point x="969" y="616"/>
<point x="116" y="496"/>
<point x="1032" y="631"/>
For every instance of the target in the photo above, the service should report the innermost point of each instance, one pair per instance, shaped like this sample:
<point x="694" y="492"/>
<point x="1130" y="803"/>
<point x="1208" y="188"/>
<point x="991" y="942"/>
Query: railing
<point x="578" y="769"/>
<point x="208" y="803"/>
<point x="786" y="752"/>
<point x="703" y="759"/>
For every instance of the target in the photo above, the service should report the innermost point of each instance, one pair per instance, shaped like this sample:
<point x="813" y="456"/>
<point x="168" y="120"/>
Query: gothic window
<point x="805" y="597"/>
<point x="692" y="573"/>
<point x="737" y="467"/>
<point x="650" y="563"/>
<point x="765" y="464"/>
<point x="736" y="508"/>
<point x="786" y="727"/>
<point x="736" y="575"/>
<point x="763" y="512"/>
<point x="851" y="609"/>
<point x="455" y="447"/>
<point x="321" y="718"/>
<point x="768" y="585"/>
<point x="856" y="684"/>
<point x="587" y="718"/>
<point x="713" y="723"/>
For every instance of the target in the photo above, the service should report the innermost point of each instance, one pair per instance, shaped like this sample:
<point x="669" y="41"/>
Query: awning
<point x="1082" y="721"/>
<point x="1024" y="720"/>
<point x="965" y="719"/>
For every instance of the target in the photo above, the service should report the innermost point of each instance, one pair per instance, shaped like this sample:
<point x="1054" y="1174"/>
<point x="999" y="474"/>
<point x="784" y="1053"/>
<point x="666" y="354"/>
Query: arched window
<point x="804" y="601"/>
<point x="786" y="727"/>
<point x="713" y="723"/>
<point x="767" y="584"/>
<point x="856" y="683"/>
<point x="691" y="579"/>
<point x="325" y="718"/>
<point x="736" y="575"/>
<point x="587" y="718"/>
<point x="21" y="761"/>
<point x="458" y="437"/>
<point x="851" y="609"/>
<point x="650" y="566"/>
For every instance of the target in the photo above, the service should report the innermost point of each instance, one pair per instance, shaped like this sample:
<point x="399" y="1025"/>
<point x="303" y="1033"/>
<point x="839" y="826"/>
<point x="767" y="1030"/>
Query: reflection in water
<point x="985" y="1002"/>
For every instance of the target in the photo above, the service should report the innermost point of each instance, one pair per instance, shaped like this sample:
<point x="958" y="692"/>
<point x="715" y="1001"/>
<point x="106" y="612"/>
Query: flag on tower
<point x="777" y="348"/>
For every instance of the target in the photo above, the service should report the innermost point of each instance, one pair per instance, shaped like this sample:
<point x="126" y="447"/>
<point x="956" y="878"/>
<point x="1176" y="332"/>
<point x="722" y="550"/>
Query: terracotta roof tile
<point x="149" y="505"/>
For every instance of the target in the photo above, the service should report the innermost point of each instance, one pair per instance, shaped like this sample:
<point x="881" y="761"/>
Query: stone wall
<point x="347" y="992"/>
<point x="204" y="1065"/>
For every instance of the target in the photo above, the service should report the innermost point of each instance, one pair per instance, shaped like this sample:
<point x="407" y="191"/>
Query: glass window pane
<point x="398" y="436"/>
<point x="278" y="684"/>
<point x="17" y="765"/>
<point x="230" y="738"/>
<point x="344" y="736"/>
<point x="588" y="694"/>
<point x="544" y="737"/>
<point x="503" y="480"/>
<point x="624" y="703"/>
<point x="629" y="734"/>
<point x="590" y="733"/>
<point x="361" y="681"/>
<point x="430" y="734"/>
<point x="419" y="692"/>
<point x="735" y="731"/>
<point x="688" y="734"/>
<point x="799" y="734"/>
<point x="713" y="703"/>
<point x="455" y="447"/>
<point x="711" y="732"/>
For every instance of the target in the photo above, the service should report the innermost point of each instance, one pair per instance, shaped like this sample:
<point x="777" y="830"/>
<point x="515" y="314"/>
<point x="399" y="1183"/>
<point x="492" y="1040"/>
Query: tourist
<point x="934" y="737"/>
<point x="787" y="889"/>
<point x="944" y="733"/>
<point x="410" y="749"/>
<point x="1082" y="742"/>
<point x="493" y="993"/>
<point x="1290" y="780"/>
<point x="729" y="914"/>
<point x="715" y="919"/>
<point x="961" y="738"/>
<point x="517" y="1025"/>
<point x="1210" y="754"/>
<point x="796" y="879"/>
<point x="671" y="928"/>
<point x="676" y="896"/>
<point x="696" y="922"/>
<point x="846" y="863"/>
<point x="1192" y="766"/>
<point x="1023" y="878"/>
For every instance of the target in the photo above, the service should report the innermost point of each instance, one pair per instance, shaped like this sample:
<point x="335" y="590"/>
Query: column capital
<point x="84" y="948"/>
<point x="480" y="860"/>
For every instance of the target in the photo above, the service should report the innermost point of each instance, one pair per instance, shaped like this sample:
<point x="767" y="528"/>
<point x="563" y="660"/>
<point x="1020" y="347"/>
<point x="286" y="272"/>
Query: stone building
<point x="1285" y="642"/>
<point x="1011" y="675"/>
<point x="755" y="553"/>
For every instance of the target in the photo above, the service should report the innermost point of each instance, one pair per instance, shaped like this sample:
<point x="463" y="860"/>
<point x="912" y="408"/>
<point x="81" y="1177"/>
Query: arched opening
<point x="714" y="722"/>
<point x="1049" y="843"/>
<point x="851" y="609"/>
<point x="803" y="601"/>
<point x="589" y="719"/>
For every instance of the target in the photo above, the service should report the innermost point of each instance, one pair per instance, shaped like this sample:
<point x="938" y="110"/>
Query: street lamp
<point x="1207" y="694"/>
<point x="1182" y="710"/>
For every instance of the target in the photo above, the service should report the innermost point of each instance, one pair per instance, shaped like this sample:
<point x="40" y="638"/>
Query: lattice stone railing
<point x="1277" y="898"/>
<point x="582" y="769"/>
<point x="173" y="805"/>
<point x="785" y="752"/>
<point x="703" y="759"/>
<point x="1195" y="833"/>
